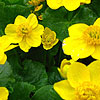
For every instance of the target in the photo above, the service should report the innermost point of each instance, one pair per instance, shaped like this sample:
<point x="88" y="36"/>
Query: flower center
<point x="87" y="91"/>
<point x="92" y="35"/>
<point x="48" y="38"/>
<point x="23" y="29"/>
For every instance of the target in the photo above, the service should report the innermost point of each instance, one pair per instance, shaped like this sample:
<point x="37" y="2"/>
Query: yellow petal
<point x="33" y="40"/>
<point x="82" y="51"/>
<point x="15" y="38"/>
<point x="96" y="53"/>
<point x="94" y="69"/>
<point x="63" y="75"/>
<point x="24" y="46"/>
<point x="71" y="4"/>
<point x="4" y="93"/>
<point x="38" y="30"/>
<point x="1" y="54"/>
<point x="10" y="47"/>
<point x="47" y="47"/>
<point x="77" y="74"/>
<point x="54" y="4"/>
<point x="20" y="20"/>
<point x="32" y="20"/>
<point x="77" y="30"/>
<point x="3" y="60"/>
<point x="56" y="41"/>
<point x="10" y="29"/>
<point x="85" y="1"/>
<point x="4" y="42"/>
<point x="77" y="48"/>
<point x="97" y="22"/>
<point x="64" y="89"/>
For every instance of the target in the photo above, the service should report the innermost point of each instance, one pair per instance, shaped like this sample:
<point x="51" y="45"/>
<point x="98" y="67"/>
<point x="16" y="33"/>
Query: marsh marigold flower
<point x="26" y="32"/>
<point x="68" y="4"/>
<point x="83" y="82"/>
<point x="4" y="93"/>
<point x="84" y="41"/>
<point x="65" y="64"/>
<point x="49" y="39"/>
<point x="5" y="46"/>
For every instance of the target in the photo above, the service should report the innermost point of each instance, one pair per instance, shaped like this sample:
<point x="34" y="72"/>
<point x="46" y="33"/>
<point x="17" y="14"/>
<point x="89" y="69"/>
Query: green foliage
<point x="22" y="91"/>
<point x="46" y="92"/>
<point x="34" y="73"/>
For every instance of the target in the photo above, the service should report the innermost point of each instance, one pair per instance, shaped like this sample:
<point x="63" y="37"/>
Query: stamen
<point x="87" y="91"/>
<point x="92" y="35"/>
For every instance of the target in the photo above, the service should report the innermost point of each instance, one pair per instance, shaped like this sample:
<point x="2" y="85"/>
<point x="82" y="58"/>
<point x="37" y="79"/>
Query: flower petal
<point x="38" y="30"/>
<point x="77" y="48"/>
<point x="32" y="20"/>
<point x="24" y="46"/>
<point x="77" y="30"/>
<point x="86" y="1"/>
<point x="10" y="47"/>
<point x="10" y="29"/>
<point x="94" y="69"/>
<point x="20" y="20"/>
<point x="97" y="22"/>
<point x="3" y="60"/>
<point x="64" y="89"/>
<point x="71" y="4"/>
<point x="77" y="74"/>
<point x="96" y="53"/>
<point x="4" y="93"/>
<point x="15" y="38"/>
<point x="33" y="40"/>
<point x="54" y="4"/>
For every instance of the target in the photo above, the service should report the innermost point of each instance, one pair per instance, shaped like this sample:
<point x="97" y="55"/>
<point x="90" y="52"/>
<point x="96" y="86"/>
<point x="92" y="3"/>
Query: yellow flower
<point x="68" y="4"/>
<point x="4" y="93"/>
<point x="26" y="32"/>
<point x="83" y="82"/>
<point x="84" y="41"/>
<point x="37" y="8"/>
<point x="5" y="46"/>
<point x="35" y="2"/>
<point x="49" y="39"/>
<point x="65" y="64"/>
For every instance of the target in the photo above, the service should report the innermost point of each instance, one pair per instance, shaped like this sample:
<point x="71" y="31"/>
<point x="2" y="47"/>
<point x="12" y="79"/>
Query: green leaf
<point x="95" y="6"/>
<point x="53" y="75"/>
<point x="22" y="91"/>
<point x="5" y="73"/>
<point x="47" y="93"/>
<point x="34" y="73"/>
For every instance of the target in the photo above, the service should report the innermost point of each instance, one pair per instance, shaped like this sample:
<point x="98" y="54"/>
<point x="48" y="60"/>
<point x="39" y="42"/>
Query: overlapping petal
<point x="96" y="53"/>
<point x="64" y="89"/>
<point x="3" y="60"/>
<point x="11" y="29"/>
<point x="32" y="20"/>
<point x="24" y="45"/>
<point x="71" y="4"/>
<point x="54" y="4"/>
<point x="77" y="74"/>
<point x="76" y="30"/>
<point x="20" y="20"/>
<point x="94" y="69"/>
<point x="85" y="1"/>
<point x="4" y="93"/>
<point x="97" y="22"/>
